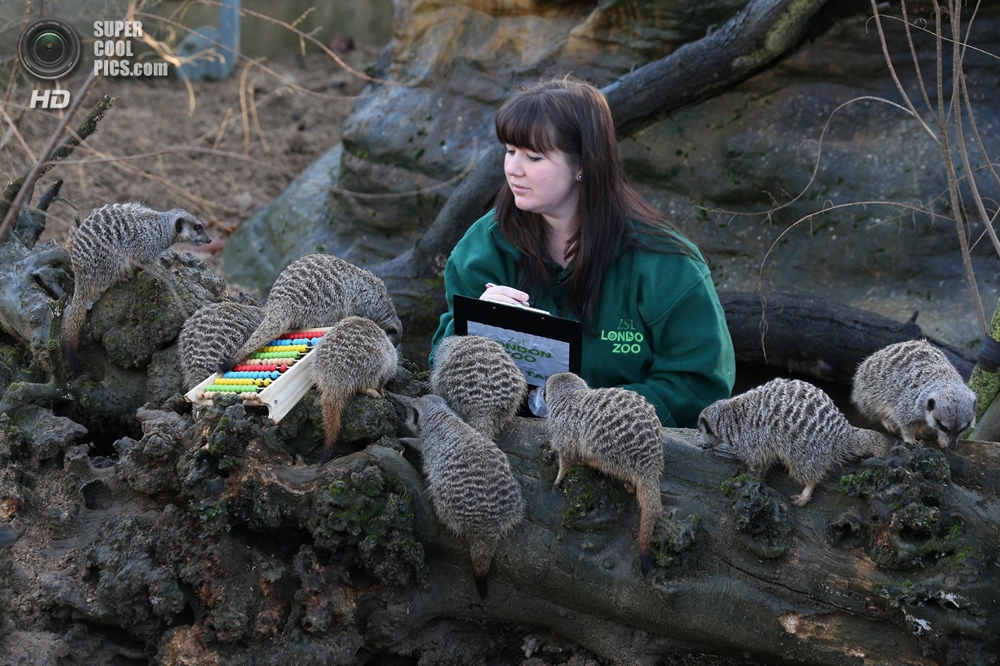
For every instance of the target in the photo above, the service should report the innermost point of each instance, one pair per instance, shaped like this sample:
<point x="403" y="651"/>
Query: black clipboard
<point x="518" y="320"/>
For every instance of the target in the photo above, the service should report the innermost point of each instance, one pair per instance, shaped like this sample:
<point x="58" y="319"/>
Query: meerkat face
<point x="413" y="419"/>
<point x="708" y="432"/>
<point x="394" y="329"/>
<point x="951" y="413"/>
<point x="189" y="228"/>
<point x="421" y="408"/>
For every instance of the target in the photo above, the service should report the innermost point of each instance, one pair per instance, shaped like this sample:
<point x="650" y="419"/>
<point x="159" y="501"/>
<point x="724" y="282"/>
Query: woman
<point x="569" y="235"/>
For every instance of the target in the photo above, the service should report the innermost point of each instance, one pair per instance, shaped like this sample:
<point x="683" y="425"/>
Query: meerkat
<point x="469" y="480"/>
<point x="615" y="431"/>
<point x="109" y="243"/>
<point x="911" y="384"/>
<point x="320" y="290"/>
<point x="792" y="422"/>
<point x="479" y="381"/>
<point x="354" y="356"/>
<point x="212" y="334"/>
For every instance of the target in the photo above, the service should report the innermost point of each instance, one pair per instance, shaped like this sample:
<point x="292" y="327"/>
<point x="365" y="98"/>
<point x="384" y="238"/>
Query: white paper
<point x="537" y="356"/>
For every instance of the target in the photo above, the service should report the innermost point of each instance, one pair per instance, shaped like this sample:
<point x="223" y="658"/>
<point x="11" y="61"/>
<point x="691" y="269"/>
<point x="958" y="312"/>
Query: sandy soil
<point x="221" y="150"/>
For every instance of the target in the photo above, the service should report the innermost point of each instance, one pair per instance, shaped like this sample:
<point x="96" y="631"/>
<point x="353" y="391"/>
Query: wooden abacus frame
<point x="283" y="393"/>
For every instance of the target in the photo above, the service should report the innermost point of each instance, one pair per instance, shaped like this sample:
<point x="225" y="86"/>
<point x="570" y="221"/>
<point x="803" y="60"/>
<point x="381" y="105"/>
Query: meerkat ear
<point x="930" y="404"/>
<point x="703" y="425"/>
<point x="414" y="416"/>
<point x="178" y="225"/>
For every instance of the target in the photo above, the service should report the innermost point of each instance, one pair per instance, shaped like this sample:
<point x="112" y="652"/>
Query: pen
<point x="490" y="285"/>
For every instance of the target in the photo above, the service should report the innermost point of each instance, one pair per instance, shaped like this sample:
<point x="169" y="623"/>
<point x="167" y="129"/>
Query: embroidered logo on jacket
<point x="625" y="340"/>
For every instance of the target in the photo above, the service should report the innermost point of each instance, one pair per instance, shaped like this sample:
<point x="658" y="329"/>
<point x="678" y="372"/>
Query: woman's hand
<point x="502" y="294"/>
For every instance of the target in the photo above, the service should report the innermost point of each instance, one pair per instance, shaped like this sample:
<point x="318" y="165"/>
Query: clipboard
<point x="541" y="344"/>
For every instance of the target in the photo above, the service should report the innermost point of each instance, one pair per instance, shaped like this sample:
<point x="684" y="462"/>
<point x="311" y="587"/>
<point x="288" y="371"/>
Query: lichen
<point x="671" y="540"/>
<point x="760" y="518"/>
<point x="906" y="522"/>
<point x="369" y="516"/>
<point x="591" y="497"/>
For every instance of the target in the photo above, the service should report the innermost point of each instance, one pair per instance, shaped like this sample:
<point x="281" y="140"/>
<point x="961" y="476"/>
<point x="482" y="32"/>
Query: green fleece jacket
<point x="658" y="327"/>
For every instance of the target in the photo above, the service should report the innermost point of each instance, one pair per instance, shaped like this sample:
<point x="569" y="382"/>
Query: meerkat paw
<point x="803" y="498"/>
<point x="372" y="392"/>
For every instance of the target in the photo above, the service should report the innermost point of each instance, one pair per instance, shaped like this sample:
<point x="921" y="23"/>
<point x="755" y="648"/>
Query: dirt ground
<point x="221" y="150"/>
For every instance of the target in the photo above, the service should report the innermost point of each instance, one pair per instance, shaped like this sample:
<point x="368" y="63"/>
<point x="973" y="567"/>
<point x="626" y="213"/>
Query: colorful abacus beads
<point x="266" y="365"/>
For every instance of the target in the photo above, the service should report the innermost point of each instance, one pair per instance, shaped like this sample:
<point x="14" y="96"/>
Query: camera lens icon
<point x="49" y="48"/>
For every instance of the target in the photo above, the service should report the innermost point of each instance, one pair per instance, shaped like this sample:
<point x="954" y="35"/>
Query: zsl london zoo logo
<point x="626" y="339"/>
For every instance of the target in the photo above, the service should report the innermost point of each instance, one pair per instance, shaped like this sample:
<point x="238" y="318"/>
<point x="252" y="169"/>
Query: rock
<point x="714" y="168"/>
<point x="296" y="223"/>
<point x="138" y="317"/>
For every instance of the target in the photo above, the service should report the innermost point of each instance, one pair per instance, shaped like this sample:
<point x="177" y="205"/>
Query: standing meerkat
<point x="354" y="356"/>
<point x="109" y="243"/>
<point x="479" y="381"/>
<point x="615" y="431"/>
<point x="212" y="334"/>
<point x="792" y="422"/>
<point x="320" y="290"/>
<point x="469" y="480"/>
<point x="911" y="384"/>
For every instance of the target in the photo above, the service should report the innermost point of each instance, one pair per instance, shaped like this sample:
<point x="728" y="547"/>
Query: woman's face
<point x="545" y="184"/>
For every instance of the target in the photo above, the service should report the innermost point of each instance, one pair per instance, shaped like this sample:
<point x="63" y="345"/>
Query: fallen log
<point x="815" y="337"/>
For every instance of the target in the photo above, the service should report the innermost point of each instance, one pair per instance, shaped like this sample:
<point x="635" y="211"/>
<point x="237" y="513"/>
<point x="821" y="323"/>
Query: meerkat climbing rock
<point x="110" y="244"/>
<point x="212" y="334"/>
<point x="469" y="480"/>
<point x="354" y="356"/>
<point x="911" y="384"/>
<point x="320" y="290"/>
<point x="479" y="381"/>
<point x="791" y="422"/>
<point x="615" y="431"/>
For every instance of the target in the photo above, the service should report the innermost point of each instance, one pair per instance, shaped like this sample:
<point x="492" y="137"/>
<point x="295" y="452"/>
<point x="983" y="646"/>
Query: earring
<point x="579" y="176"/>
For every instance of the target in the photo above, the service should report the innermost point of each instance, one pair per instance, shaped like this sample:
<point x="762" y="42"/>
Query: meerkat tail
<point x="74" y="321"/>
<point x="651" y="505"/>
<point x="482" y="551"/>
<point x="333" y="406"/>
<point x="72" y="325"/>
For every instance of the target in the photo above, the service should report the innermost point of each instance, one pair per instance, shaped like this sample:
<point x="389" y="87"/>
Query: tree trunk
<point x="812" y="337"/>
<point x="740" y="571"/>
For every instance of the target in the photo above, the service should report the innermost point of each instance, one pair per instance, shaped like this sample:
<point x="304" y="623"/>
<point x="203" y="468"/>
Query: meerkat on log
<point x="479" y="381"/>
<point x="912" y="384"/>
<point x="469" y="480"/>
<point x="615" y="431"/>
<point x="792" y="422"/>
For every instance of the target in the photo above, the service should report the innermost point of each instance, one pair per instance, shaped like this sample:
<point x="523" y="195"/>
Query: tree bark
<point x="756" y="38"/>
<point x="878" y="568"/>
<point x="812" y="337"/>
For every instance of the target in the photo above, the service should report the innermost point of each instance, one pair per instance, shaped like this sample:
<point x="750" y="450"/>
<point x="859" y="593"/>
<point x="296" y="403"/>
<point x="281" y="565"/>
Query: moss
<point x="369" y="516"/>
<point x="901" y="479"/>
<point x="591" y="497"/>
<point x="760" y="518"/>
<point x="579" y="495"/>
<point x="671" y="540"/>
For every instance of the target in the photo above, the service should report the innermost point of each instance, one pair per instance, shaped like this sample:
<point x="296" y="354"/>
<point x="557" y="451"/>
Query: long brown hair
<point x="573" y="117"/>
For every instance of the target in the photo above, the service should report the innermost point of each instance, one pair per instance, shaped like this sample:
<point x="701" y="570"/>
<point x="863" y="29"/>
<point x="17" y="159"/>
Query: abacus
<point x="276" y="376"/>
